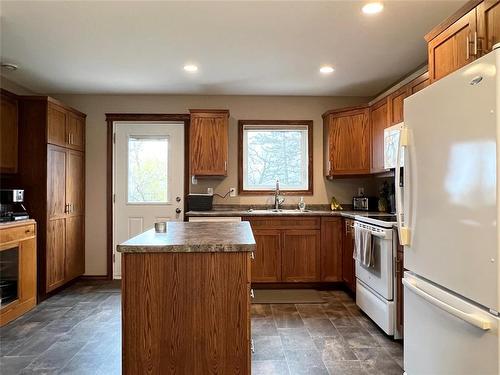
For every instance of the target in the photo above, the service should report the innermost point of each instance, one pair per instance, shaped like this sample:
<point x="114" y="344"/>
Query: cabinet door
<point x="379" y="121"/>
<point x="74" y="255"/>
<point x="8" y="133"/>
<point x="331" y="249"/>
<point x="55" y="253"/>
<point x="453" y="48"/>
<point x="56" y="125"/>
<point x="208" y="144"/>
<point x="75" y="129"/>
<point x="395" y="105"/>
<point x="419" y="83"/>
<point x="300" y="255"/>
<point x="75" y="182"/>
<point x="348" y="266"/>
<point x="266" y="267"/>
<point x="349" y="142"/>
<point x="56" y="181"/>
<point x="488" y="25"/>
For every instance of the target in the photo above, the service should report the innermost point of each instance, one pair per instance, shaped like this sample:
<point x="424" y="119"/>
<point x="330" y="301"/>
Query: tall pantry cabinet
<point x="52" y="172"/>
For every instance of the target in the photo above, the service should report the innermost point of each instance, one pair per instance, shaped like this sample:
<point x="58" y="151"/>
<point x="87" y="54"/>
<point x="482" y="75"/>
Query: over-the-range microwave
<point x="391" y="145"/>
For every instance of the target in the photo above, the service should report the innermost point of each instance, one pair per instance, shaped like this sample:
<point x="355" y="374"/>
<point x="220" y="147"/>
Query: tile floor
<point x="78" y="332"/>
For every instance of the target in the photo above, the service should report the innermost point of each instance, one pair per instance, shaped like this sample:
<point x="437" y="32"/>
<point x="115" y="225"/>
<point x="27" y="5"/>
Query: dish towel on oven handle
<point x="363" y="247"/>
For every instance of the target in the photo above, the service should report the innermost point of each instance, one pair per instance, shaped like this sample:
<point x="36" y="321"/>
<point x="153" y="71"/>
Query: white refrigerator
<point x="448" y="214"/>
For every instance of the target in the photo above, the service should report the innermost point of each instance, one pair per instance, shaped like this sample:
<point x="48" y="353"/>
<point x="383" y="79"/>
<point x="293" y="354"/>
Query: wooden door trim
<point x="111" y="118"/>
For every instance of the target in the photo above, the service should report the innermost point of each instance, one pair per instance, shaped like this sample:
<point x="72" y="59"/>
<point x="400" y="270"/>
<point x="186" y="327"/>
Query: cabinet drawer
<point x="284" y="222"/>
<point x="17" y="233"/>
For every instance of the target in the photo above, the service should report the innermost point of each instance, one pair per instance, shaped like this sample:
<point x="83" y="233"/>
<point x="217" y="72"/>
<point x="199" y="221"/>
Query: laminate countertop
<point x="192" y="237"/>
<point x="285" y="212"/>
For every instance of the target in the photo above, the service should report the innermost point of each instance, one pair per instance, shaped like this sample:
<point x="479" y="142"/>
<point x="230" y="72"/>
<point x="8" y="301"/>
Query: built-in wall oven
<point x="375" y="283"/>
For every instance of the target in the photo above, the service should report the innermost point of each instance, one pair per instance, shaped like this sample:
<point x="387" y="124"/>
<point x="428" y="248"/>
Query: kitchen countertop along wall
<point x="241" y="107"/>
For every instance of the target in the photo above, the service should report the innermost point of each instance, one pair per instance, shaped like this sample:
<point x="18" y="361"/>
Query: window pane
<point x="275" y="154"/>
<point x="147" y="170"/>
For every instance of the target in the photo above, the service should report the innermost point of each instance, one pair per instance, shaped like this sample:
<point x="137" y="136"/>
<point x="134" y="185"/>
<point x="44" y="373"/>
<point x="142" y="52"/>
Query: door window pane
<point x="147" y="169"/>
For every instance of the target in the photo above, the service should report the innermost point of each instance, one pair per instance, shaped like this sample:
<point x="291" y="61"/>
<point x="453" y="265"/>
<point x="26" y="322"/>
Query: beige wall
<point x="241" y="107"/>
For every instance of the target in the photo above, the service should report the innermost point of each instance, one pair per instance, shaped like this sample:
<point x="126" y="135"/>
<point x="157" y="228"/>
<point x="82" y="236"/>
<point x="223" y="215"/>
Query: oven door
<point x="379" y="278"/>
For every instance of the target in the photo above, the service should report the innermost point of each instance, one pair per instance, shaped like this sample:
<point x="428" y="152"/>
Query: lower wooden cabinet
<point x="74" y="252"/>
<point x="18" y="245"/>
<point x="331" y="249"/>
<point x="55" y="253"/>
<point x="348" y="264"/>
<point x="300" y="255"/>
<point x="266" y="265"/>
<point x="292" y="250"/>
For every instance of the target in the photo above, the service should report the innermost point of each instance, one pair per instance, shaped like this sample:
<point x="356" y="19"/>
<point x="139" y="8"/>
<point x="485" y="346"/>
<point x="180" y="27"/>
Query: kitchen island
<point x="186" y="299"/>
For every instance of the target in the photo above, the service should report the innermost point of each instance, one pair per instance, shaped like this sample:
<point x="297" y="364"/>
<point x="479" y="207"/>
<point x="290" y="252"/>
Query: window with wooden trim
<point x="275" y="150"/>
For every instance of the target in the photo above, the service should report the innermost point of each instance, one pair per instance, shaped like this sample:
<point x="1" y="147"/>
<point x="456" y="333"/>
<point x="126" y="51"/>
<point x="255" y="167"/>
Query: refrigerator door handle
<point x="403" y="231"/>
<point x="475" y="320"/>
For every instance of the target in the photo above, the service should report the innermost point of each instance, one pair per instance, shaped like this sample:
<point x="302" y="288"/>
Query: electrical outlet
<point x="361" y="191"/>
<point x="210" y="191"/>
<point x="232" y="192"/>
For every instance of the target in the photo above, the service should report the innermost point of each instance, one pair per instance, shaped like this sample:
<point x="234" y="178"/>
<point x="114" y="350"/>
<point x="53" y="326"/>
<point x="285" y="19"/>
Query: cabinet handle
<point x="475" y="43"/>
<point x="252" y="294"/>
<point x="252" y="346"/>
<point x="252" y="255"/>
<point x="225" y="165"/>
<point x="467" y="40"/>
<point x="329" y="167"/>
<point x="66" y="208"/>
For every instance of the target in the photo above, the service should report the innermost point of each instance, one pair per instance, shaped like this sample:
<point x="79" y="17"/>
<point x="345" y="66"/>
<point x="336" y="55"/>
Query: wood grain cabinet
<point x="8" y="132"/>
<point x="65" y="128"/>
<point x="419" y="83"/>
<point x="379" y="120"/>
<point x="288" y="250"/>
<point x="208" y="142"/>
<point x="488" y="25"/>
<point x="52" y="172"/>
<point x="347" y="141"/>
<point x="18" y="243"/>
<point x="266" y="265"/>
<point x="331" y="249"/>
<point x="300" y="255"/>
<point x="395" y="105"/>
<point x="468" y="34"/>
<point x="348" y="264"/>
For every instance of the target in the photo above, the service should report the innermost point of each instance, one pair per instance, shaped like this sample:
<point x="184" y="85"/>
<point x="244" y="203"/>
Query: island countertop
<point x="185" y="237"/>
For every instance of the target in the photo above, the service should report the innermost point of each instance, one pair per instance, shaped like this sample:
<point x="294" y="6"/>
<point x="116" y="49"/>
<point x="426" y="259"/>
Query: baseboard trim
<point x="313" y="285"/>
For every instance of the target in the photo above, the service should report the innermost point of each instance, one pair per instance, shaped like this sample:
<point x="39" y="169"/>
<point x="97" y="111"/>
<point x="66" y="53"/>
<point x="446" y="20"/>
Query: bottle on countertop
<point x="302" y="204"/>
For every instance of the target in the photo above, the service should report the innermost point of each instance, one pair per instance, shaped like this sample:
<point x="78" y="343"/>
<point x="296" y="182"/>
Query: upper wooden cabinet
<point x="395" y="105"/>
<point x="347" y="141"/>
<point x="488" y="25"/>
<point x="65" y="127"/>
<point x="379" y="119"/>
<point x="466" y="35"/>
<point x="419" y="83"/>
<point x="208" y="142"/>
<point x="8" y="132"/>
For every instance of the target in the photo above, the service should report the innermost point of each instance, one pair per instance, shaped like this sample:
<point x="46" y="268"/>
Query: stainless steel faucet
<point x="277" y="200"/>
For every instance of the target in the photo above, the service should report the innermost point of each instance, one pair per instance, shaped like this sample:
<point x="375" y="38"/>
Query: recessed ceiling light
<point x="372" y="8"/>
<point x="190" y="68"/>
<point x="326" y="69"/>
<point x="10" y="66"/>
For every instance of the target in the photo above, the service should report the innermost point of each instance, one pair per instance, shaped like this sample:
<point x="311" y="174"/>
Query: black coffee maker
<point x="11" y="205"/>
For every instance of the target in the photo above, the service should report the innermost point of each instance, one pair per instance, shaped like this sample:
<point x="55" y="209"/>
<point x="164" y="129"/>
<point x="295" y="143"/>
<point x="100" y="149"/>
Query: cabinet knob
<point x="178" y="210"/>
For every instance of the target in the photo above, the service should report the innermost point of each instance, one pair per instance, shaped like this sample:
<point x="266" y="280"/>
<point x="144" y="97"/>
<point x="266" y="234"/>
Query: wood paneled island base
<point x="187" y="312"/>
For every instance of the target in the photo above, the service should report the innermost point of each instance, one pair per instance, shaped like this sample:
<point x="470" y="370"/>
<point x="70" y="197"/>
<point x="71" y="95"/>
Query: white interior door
<point x="148" y="179"/>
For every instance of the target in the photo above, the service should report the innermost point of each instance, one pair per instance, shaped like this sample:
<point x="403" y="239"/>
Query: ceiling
<point x="241" y="47"/>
